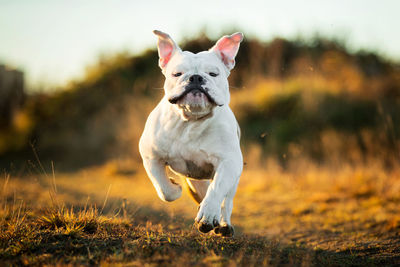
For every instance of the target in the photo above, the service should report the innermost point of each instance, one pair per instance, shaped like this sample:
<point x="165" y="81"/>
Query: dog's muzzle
<point x="195" y="90"/>
<point x="195" y="87"/>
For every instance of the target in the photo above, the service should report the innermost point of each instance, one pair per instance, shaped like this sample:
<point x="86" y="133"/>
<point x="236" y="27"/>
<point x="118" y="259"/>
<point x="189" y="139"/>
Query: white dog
<point x="194" y="132"/>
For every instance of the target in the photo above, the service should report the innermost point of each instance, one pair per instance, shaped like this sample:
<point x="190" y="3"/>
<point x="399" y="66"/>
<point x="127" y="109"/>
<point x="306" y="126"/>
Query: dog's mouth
<point x="194" y="95"/>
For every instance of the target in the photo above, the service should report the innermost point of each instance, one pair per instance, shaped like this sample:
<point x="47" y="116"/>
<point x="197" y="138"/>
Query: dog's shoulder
<point x="226" y="119"/>
<point x="152" y="126"/>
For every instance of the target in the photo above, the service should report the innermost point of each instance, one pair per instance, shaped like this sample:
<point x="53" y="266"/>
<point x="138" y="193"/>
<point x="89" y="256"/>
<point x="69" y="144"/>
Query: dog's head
<point x="196" y="83"/>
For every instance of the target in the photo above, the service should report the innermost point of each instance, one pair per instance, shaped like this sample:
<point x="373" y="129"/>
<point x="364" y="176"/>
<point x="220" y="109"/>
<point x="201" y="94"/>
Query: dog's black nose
<point x="196" y="79"/>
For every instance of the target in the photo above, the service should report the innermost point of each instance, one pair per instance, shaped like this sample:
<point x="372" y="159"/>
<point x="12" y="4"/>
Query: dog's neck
<point x="187" y="114"/>
<point x="194" y="116"/>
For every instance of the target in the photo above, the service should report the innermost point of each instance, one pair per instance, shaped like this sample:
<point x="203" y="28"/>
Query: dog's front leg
<point x="166" y="190"/>
<point x="223" y="186"/>
<point x="225" y="228"/>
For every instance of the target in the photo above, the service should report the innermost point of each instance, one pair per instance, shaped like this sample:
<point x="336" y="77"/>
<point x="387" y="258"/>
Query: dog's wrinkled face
<point x="196" y="83"/>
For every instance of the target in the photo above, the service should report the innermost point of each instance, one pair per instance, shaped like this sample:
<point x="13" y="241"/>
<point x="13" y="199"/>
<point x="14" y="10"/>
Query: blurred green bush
<point x="292" y="98"/>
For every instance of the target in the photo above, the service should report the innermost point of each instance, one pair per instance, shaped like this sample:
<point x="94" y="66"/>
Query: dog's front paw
<point x="173" y="192"/>
<point x="225" y="230"/>
<point x="208" y="217"/>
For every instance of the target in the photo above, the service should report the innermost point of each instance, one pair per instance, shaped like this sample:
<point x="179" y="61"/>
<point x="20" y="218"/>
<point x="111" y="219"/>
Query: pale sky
<point x="53" y="40"/>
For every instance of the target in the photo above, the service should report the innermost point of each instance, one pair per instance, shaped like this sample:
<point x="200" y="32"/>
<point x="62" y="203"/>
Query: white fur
<point x="178" y="138"/>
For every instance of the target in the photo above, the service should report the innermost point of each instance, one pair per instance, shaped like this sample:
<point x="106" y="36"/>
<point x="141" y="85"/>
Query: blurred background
<point x="315" y="81"/>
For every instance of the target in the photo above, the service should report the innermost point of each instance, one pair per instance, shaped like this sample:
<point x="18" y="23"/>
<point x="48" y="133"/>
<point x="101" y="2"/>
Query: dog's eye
<point x="177" y="74"/>
<point x="213" y="74"/>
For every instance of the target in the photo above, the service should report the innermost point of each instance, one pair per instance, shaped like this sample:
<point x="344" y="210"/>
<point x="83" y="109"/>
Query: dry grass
<point x="302" y="215"/>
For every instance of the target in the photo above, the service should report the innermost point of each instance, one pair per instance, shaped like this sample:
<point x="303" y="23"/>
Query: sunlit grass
<point x="303" y="213"/>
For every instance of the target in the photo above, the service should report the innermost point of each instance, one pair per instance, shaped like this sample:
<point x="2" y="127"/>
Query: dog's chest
<point x="190" y="160"/>
<point x="188" y="148"/>
<point x="191" y="169"/>
<point x="187" y="151"/>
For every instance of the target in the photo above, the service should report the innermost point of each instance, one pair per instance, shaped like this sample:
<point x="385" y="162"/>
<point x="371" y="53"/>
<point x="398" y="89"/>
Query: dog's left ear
<point x="227" y="48"/>
<point x="166" y="48"/>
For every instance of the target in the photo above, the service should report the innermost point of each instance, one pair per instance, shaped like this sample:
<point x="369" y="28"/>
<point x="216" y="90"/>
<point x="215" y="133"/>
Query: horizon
<point x="54" y="42"/>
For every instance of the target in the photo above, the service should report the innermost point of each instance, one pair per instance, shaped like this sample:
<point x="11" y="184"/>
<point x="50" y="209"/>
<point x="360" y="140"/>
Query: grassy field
<point x="302" y="215"/>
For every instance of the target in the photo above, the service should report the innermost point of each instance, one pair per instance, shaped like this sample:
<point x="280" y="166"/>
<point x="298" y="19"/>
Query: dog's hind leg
<point x="197" y="189"/>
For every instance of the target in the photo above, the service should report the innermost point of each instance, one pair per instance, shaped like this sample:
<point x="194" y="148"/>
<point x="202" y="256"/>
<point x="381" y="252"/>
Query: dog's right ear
<point x="166" y="48"/>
